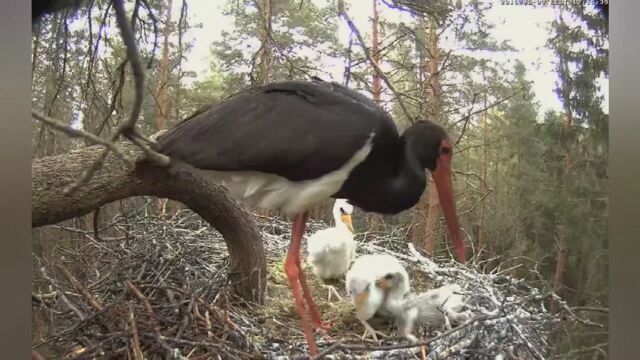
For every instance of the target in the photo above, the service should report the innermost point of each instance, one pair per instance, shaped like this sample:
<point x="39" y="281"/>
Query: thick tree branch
<point x="118" y="180"/>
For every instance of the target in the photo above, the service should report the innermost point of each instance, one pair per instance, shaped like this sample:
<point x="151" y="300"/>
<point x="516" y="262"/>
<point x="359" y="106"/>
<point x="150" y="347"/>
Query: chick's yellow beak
<point x="383" y="283"/>
<point x="361" y="299"/>
<point x="346" y="219"/>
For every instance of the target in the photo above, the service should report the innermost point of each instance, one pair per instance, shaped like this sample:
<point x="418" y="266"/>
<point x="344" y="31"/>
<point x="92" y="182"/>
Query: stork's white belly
<point x="274" y="192"/>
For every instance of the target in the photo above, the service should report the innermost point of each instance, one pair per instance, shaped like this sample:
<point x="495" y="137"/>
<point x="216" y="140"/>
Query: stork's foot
<point x="322" y="325"/>
<point x="332" y="291"/>
<point x="324" y="333"/>
<point x="292" y="271"/>
<point x="412" y="338"/>
<point x="371" y="332"/>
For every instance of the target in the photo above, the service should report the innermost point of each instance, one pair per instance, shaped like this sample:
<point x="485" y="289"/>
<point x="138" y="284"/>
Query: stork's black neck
<point x="391" y="179"/>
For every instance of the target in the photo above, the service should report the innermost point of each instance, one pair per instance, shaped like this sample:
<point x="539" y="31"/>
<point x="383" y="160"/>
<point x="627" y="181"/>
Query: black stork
<point x="288" y="146"/>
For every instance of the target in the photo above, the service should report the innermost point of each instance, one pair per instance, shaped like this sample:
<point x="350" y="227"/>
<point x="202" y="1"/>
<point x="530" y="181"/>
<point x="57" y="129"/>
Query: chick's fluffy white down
<point x="331" y="252"/>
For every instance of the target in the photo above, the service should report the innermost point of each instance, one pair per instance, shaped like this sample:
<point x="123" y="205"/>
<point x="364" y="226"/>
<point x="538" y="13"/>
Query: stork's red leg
<point x="295" y="273"/>
<point x="315" y="314"/>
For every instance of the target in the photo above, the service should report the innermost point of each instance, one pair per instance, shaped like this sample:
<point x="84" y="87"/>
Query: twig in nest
<point x="367" y="52"/>
<point x="77" y="133"/>
<point x="147" y="306"/>
<point x="90" y="299"/>
<point x="208" y="323"/>
<point x="217" y="347"/>
<point x="82" y="352"/>
<point x="42" y="298"/>
<point x="137" y="352"/>
<point x="187" y="316"/>
<point x="573" y="315"/>
<point x="591" y="308"/>
<point x="339" y="345"/>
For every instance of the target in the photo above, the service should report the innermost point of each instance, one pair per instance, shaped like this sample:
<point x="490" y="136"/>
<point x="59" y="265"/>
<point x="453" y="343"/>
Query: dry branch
<point x="472" y="113"/>
<point x="137" y="352"/>
<point x="367" y="52"/>
<point x="77" y="133"/>
<point x="126" y="128"/>
<point x="72" y="279"/>
<point x="133" y="56"/>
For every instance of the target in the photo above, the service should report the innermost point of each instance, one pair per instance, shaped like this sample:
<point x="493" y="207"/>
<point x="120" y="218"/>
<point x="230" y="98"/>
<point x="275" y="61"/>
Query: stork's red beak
<point x="442" y="178"/>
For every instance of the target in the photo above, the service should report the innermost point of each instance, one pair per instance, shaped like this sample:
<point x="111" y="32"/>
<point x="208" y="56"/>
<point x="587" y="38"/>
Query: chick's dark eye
<point x="342" y="211"/>
<point x="388" y="276"/>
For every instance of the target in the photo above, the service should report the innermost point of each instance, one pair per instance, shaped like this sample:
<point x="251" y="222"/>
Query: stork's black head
<point x="430" y="143"/>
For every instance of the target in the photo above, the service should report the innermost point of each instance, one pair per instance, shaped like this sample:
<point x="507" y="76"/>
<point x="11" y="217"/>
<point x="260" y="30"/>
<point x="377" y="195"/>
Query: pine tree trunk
<point x="485" y="166"/>
<point x="47" y="144"/>
<point x="564" y="234"/>
<point x="163" y="81"/>
<point x="561" y="264"/>
<point x="36" y="46"/>
<point x="163" y="99"/>
<point x="265" y="37"/>
<point x="375" y="219"/>
<point x="433" y="101"/>
<point x="375" y="49"/>
<point x="492" y="243"/>
<point x="265" y="62"/>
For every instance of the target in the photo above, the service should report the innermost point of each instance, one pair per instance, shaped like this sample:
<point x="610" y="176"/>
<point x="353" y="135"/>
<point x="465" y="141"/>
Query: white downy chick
<point x="434" y="307"/>
<point x="332" y="250"/>
<point x="366" y="296"/>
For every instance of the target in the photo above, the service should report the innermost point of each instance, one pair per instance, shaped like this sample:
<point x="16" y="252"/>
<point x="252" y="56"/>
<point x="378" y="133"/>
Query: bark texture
<point x="117" y="180"/>
<point x="434" y="95"/>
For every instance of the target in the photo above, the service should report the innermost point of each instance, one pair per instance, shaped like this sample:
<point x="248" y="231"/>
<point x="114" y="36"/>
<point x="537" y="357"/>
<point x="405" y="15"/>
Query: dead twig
<point x="472" y="113"/>
<point x="127" y="127"/>
<point x="72" y="279"/>
<point x="473" y="206"/>
<point x="147" y="306"/>
<point x="128" y="38"/>
<point x="77" y="133"/>
<point x="137" y="352"/>
<point x="341" y="346"/>
<point x="367" y="52"/>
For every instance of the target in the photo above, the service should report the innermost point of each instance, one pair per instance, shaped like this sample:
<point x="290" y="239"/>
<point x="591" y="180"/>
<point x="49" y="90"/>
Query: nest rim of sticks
<point x="161" y="291"/>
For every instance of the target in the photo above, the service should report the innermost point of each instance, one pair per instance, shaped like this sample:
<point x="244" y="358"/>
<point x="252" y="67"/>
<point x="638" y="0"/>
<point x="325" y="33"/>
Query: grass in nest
<point x="279" y="312"/>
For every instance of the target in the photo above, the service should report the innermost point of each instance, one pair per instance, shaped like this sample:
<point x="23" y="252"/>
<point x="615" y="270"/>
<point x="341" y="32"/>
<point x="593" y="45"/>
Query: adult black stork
<point x="290" y="145"/>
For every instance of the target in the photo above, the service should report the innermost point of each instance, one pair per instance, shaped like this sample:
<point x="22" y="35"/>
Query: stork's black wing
<point x="298" y="130"/>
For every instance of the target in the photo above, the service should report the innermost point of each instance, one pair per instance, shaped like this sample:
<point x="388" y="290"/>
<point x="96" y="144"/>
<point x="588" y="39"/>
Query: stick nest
<point x="159" y="289"/>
